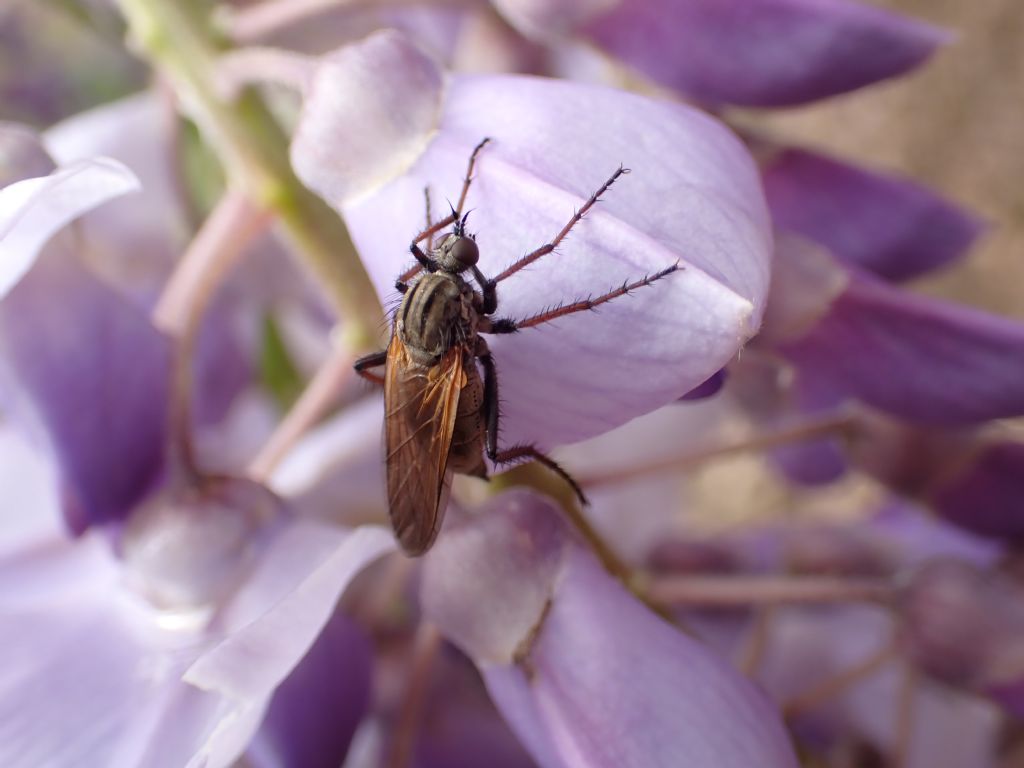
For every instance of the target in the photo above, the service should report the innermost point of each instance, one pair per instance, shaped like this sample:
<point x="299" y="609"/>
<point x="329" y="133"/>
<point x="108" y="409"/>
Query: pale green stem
<point x="176" y="36"/>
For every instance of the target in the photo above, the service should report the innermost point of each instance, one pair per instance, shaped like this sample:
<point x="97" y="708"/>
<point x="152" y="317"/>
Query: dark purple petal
<point x="765" y="53"/>
<point x="708" y="388"/>
<point x="1010" y="696"/>
<point x="583" y="672"/>
<point x="918" y="358"/>
<point x="984" y="495"/>
<point x="92" y="371"/>
<point x="885" y="224"/>
<point x="315" y="711"/>
<point x="460" y="726"/>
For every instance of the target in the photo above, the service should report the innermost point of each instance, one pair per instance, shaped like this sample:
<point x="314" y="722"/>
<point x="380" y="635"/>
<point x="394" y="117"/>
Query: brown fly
<point x="441" y="415"/>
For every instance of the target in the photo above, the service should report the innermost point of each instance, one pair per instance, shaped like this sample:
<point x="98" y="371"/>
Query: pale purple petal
<point x="337" y="469"/>
<point x="255" y="659"/>
<point x="885" y="224"/>
<point x="387" y="120"/>
<point x="31" y="506"/>
<point x="764" y="53"/>
<point x="136" y="239"/>
<point x="33" y="210"/>
<point x="692" y="198"/>
<point x="90" y="371"/>
<point x="583" y="672"/>
<point x="22" y="155"/>
<point x="917" y="358"/>
<point x="315" y="711"/>
<point x="88" y="674"/>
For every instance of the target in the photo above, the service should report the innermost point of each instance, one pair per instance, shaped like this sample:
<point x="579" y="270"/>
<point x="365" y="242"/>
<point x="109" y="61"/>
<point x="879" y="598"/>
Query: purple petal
<point x="984" y="496"/>
<point x="765" y="53"/>
<point x="87" y="367"/>
<point x="33" y="210"/>
<point x="595" y="678"/>
<point x="917" y="537"/>
<point x="315" y="711"/>
<point x="547" y="156"/>
<point x="917" y="358"/>
<point x="256" y="658"/>
<point x="885" y="224"/>
<point x="460" y="727"/>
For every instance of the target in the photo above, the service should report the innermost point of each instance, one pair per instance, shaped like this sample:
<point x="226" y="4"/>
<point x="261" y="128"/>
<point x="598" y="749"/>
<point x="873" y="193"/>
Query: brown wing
<point x="420" y="406"/>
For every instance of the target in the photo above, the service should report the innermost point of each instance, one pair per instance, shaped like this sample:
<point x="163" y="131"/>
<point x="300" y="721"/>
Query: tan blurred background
<point x="957" y="124"/>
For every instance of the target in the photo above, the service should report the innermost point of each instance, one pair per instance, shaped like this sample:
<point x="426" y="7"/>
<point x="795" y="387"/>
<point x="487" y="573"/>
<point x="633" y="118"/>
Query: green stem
<point x="176" y="36"/>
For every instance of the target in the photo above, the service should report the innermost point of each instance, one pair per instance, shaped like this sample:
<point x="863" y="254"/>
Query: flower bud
<point x="188" y="547"/>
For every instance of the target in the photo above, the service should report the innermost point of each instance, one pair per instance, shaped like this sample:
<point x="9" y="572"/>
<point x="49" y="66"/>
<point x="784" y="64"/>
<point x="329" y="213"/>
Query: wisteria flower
<point x="799" y="542"/>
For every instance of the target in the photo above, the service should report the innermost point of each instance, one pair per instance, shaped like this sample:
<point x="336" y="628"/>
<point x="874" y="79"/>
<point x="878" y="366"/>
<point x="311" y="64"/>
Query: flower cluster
<point x="197" y="565"/>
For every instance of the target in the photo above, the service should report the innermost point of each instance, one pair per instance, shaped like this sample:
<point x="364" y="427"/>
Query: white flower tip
<point x="370" y="111"/>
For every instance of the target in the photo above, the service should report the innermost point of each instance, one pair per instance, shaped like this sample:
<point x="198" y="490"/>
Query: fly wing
<point x="420" y="404"/>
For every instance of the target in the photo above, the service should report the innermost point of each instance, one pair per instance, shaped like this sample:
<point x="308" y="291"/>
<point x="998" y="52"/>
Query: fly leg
<point x="507" y="325"/>
<point x="516" y="453"/>
<point x="548" y="247"/>
<point x="423" y="259"/>
<point x="374" y="360"/>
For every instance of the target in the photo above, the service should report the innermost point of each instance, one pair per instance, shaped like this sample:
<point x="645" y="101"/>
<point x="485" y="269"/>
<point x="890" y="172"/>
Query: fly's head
<point x="457" y="251"/>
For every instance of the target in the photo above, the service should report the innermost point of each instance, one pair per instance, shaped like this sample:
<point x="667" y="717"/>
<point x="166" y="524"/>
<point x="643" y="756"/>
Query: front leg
<point x="489" y="291"/>
<point x="374" y="360"/>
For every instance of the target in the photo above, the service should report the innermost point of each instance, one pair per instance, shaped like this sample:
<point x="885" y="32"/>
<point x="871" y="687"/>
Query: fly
<point x="441" y="414"/>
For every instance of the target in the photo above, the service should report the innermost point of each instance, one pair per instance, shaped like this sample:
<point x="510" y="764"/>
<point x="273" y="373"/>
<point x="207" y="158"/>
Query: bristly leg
<point x="522" y="452"/>
<point x="373" y="360"/>
<point x="507" y="325"/>
<point x="550" y="246"/>
<point x="455" y="215"/>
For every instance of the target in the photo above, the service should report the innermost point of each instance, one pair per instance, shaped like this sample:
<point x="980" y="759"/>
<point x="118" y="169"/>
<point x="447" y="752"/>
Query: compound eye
<point x="465" y="252"/>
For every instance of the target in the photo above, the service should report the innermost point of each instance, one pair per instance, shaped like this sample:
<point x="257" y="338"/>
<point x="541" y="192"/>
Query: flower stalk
<point x="179" y="40"/>
<point x="211" y="255"/>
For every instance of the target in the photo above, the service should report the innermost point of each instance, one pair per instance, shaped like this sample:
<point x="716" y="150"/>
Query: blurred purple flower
<point x="883" y="224"/>
<point x="764" y="53"/>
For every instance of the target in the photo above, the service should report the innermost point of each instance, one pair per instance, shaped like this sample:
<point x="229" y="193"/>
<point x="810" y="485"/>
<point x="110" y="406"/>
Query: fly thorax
<point x="436" y="315"/>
